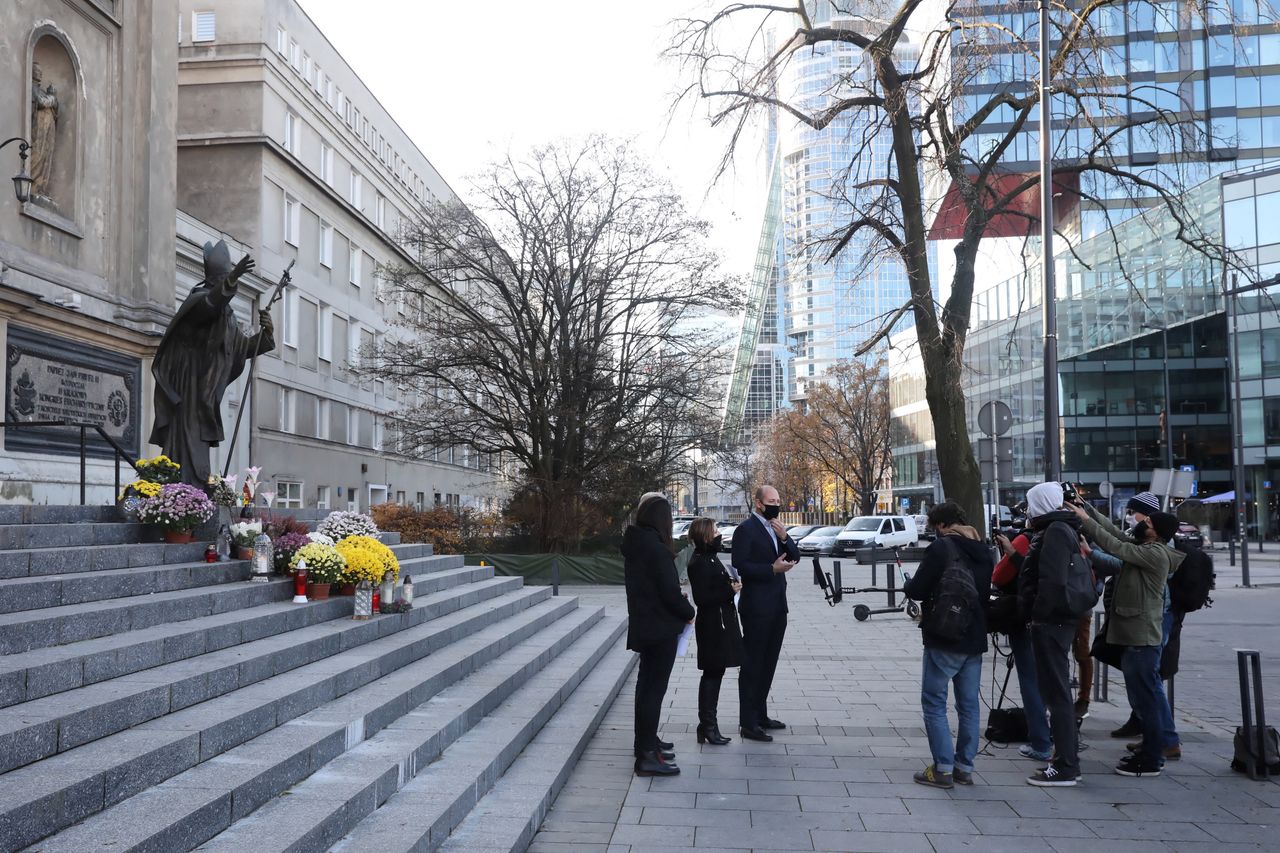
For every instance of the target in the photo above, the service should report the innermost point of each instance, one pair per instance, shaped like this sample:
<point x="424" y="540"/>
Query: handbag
<point x="1106" y="653"/>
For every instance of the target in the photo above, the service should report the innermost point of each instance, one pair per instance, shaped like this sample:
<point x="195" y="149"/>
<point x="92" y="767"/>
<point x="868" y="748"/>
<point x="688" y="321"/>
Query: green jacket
<point x="1137" y="610"/>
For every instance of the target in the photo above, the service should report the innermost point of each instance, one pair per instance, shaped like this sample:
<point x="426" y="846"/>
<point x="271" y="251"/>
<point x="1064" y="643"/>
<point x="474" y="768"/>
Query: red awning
<point x="1013" y="221"/>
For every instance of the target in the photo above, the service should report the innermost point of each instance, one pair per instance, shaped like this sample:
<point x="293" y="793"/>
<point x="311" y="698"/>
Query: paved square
<point x="839" y="778"/>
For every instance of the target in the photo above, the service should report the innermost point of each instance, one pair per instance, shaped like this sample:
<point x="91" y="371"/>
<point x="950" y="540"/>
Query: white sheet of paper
<point x="682" y="645"/>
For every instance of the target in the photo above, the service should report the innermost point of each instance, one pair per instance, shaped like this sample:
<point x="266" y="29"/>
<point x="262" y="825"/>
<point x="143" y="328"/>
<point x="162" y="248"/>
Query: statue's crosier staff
<point x="285" y="280"/>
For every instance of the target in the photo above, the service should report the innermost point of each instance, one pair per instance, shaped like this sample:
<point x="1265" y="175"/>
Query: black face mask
<point x="771" y="511"/>
<point x="714" y="545"/>
<point x="1140" y="531"/>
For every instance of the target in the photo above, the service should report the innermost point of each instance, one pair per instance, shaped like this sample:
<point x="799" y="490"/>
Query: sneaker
<point x="1132" y="728"/>
<point x="1134" y="765"/>
<point x="1052" y="777"/>
<point x="1028" y="751"/>
<point x="1082" y="708"/>
<point x="962" y="777"/>
<point x="931" y="777"/>
<point x="1171" y="753"/>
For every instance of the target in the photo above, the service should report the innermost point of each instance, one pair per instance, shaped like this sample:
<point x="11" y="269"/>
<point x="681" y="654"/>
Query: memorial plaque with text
<point x="54" y="379"/>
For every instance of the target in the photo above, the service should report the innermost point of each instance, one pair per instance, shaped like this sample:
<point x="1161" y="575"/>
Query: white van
<point x="875" y="531"/>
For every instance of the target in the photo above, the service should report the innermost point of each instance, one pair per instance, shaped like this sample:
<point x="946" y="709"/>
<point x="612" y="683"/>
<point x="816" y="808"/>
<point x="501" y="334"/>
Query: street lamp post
<point x="1167" y="429"/>
<point x="22" y="181"/>
<point x="1052" y="438"/>
<point x="1241" y="515"/>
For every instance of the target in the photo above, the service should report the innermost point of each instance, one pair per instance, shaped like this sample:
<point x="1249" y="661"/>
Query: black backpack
<point x="954" y="602"/>
<point x="1190" y="585"/>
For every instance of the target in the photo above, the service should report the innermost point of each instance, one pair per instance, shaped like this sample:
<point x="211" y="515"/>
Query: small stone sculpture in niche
<point x="44" y="132"/>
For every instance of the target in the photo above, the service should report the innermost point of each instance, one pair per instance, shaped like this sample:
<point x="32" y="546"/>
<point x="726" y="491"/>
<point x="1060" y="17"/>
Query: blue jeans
<point x="1024" y="660"/>
<point x="1168" y="729"/>
<point x="964" y="671"/>
<point x="1141" y="668"/>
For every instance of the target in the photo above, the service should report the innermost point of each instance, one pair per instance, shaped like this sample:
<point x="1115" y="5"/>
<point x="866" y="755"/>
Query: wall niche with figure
<point x="54" y="102"/>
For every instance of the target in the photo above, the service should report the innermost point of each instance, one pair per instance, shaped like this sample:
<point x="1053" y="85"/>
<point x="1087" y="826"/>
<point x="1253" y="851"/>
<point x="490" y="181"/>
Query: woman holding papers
<point x="657" y="613"/>
<point x="716" y="626"/>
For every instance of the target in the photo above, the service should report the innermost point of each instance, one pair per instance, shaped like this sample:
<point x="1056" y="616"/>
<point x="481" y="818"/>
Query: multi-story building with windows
<point x="285" y="150"/>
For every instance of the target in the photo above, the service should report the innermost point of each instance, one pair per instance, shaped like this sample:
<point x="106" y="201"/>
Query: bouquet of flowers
<point x="178" y="507"/>
<point x="340" y="524"/>
<point x="321" y="538"/>
<point x="367" y="559"/>
<point x="285" y="547"/>
<point x="245" y="533"/>
<point x="142" y="488"/>
<point x="159" y="469"/>
<point x="222" y="490"/>
<point x="324" y="563"/>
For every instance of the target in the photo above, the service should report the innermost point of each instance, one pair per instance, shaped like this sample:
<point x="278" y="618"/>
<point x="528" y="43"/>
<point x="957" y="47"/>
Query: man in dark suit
<point x="762" y="556"/>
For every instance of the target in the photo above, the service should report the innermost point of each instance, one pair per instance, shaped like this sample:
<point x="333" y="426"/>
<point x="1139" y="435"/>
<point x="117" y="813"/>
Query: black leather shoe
<point x="770" y="723"/>
<point x="651" y="764"/>
<point x="667" y="755"/>
<point x="665" y="744"/>
<point x="711" y="734"/>
<point x="757" y="733"/>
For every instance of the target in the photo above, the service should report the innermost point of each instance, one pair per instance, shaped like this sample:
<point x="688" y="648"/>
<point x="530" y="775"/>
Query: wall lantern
<point x="22" y="181"/>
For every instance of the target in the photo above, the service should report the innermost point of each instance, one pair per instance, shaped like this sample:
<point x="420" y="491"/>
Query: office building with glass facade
<point x="1134" y="304"/>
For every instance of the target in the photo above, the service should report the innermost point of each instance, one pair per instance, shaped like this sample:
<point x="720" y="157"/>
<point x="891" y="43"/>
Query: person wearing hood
<point x="956" y="659"/>
<point x="657" y="612"/>
<point x="1042" y="588"/>
<point x="1137" y="622"/>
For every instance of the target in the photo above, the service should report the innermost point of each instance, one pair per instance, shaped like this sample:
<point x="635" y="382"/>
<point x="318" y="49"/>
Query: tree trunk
<point x="961" y="479"/>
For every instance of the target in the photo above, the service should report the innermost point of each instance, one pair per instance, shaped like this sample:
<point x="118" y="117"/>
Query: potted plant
<point x="367" y="559"/>
<point x="134" y="495"/>
<point x="158" y="469"/>
<point x="340" y="524"/>
<point x="243" y="535"/>
<point x="177" y="510"/>
<point x="324" y="567"/>
<point x="285" y="545"/>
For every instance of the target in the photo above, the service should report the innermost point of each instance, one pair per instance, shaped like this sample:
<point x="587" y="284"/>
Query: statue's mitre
<point x="217" y="261"/>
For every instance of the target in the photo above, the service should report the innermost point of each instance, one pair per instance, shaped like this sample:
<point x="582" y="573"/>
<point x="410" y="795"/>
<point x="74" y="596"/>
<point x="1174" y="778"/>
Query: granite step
<point x="18" y="594"/>
<point x="56" y="514"/>
<point x="77" y="534"/>
<point x="36" y="562"/>
<point x="42" y="727"/>
<point x="485" y="718"/>
<point x="53" y="669"/>
<point x="226" y="757"/>
<point x="510" y="814"/>
<point x="421" y="814"/>
<point x="31" y="629"/>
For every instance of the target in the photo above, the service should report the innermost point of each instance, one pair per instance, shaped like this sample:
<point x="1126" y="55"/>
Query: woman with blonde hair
<point x="657" y="612"/>
<point x="716" y="625"/>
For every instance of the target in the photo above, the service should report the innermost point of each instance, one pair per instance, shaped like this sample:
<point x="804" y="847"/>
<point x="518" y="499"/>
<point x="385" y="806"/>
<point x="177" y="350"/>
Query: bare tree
<point x="786" y="464"/>
<point x="560" y="326"/>
<point x="903" y="102"/>
<point x="843" y="429"/>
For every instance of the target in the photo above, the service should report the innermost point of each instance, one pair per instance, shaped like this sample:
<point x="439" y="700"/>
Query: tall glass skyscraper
<point x="808" y="310"/>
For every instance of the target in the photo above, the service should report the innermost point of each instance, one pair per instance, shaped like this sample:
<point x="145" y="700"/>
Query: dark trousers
<point x="761" y="645"/>
<point x="656" y="662"/>
<point x="1141" y="668"/>
<point x="1052" y="646"/>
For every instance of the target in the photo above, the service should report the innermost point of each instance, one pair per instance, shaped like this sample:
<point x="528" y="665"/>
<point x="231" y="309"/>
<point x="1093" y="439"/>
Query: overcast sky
<point x="470" y="81"/>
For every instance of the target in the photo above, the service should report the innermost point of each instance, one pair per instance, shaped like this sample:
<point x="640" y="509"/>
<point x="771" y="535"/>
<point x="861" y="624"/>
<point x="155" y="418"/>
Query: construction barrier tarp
<point x="536" y="568"/>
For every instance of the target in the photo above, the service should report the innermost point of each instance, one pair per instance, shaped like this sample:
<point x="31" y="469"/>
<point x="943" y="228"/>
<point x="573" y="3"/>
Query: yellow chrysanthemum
<point x="367" y="559"/>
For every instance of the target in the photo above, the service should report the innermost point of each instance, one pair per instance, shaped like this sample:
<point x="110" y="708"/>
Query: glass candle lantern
<point x="262" y="558"/>
<point x="364" y="601"/>
<point x="388" y="593"/>
<point x="224" y="544"/>
<point x="406" y="590"/>
<point x="300" y="583"/>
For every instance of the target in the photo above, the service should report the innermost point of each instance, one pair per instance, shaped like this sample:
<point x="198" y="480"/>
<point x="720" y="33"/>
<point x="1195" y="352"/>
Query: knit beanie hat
<point x="1143" y="502"/>
<point x="1165" y="525"/>
<point x="1043" y="499"/>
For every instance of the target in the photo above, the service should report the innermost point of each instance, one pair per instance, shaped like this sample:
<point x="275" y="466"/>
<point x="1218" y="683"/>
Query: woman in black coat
<point x="716" y="625"/>
<point x="657" y="613"/>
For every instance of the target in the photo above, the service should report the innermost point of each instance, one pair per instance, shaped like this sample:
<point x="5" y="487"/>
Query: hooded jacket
<point x="656" y="609"/>
<point x="1137" y="607"/>
<point x="977" y="557"/>
<point x="1042" y="583"/>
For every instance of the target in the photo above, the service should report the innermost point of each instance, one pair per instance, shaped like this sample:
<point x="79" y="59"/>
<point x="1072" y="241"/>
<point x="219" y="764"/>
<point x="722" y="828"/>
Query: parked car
<point x="680" y="528"/>
<point x="820" y="542"/>
<point x="726" y="530"/>
<point x="875" y="531"/>
<point x="922" y="527"/>
<point x="1190" y="534"/>
<point x="799" y="531"/>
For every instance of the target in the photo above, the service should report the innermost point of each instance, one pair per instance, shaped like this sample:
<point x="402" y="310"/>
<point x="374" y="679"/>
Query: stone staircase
<point x="153" y="702"/>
